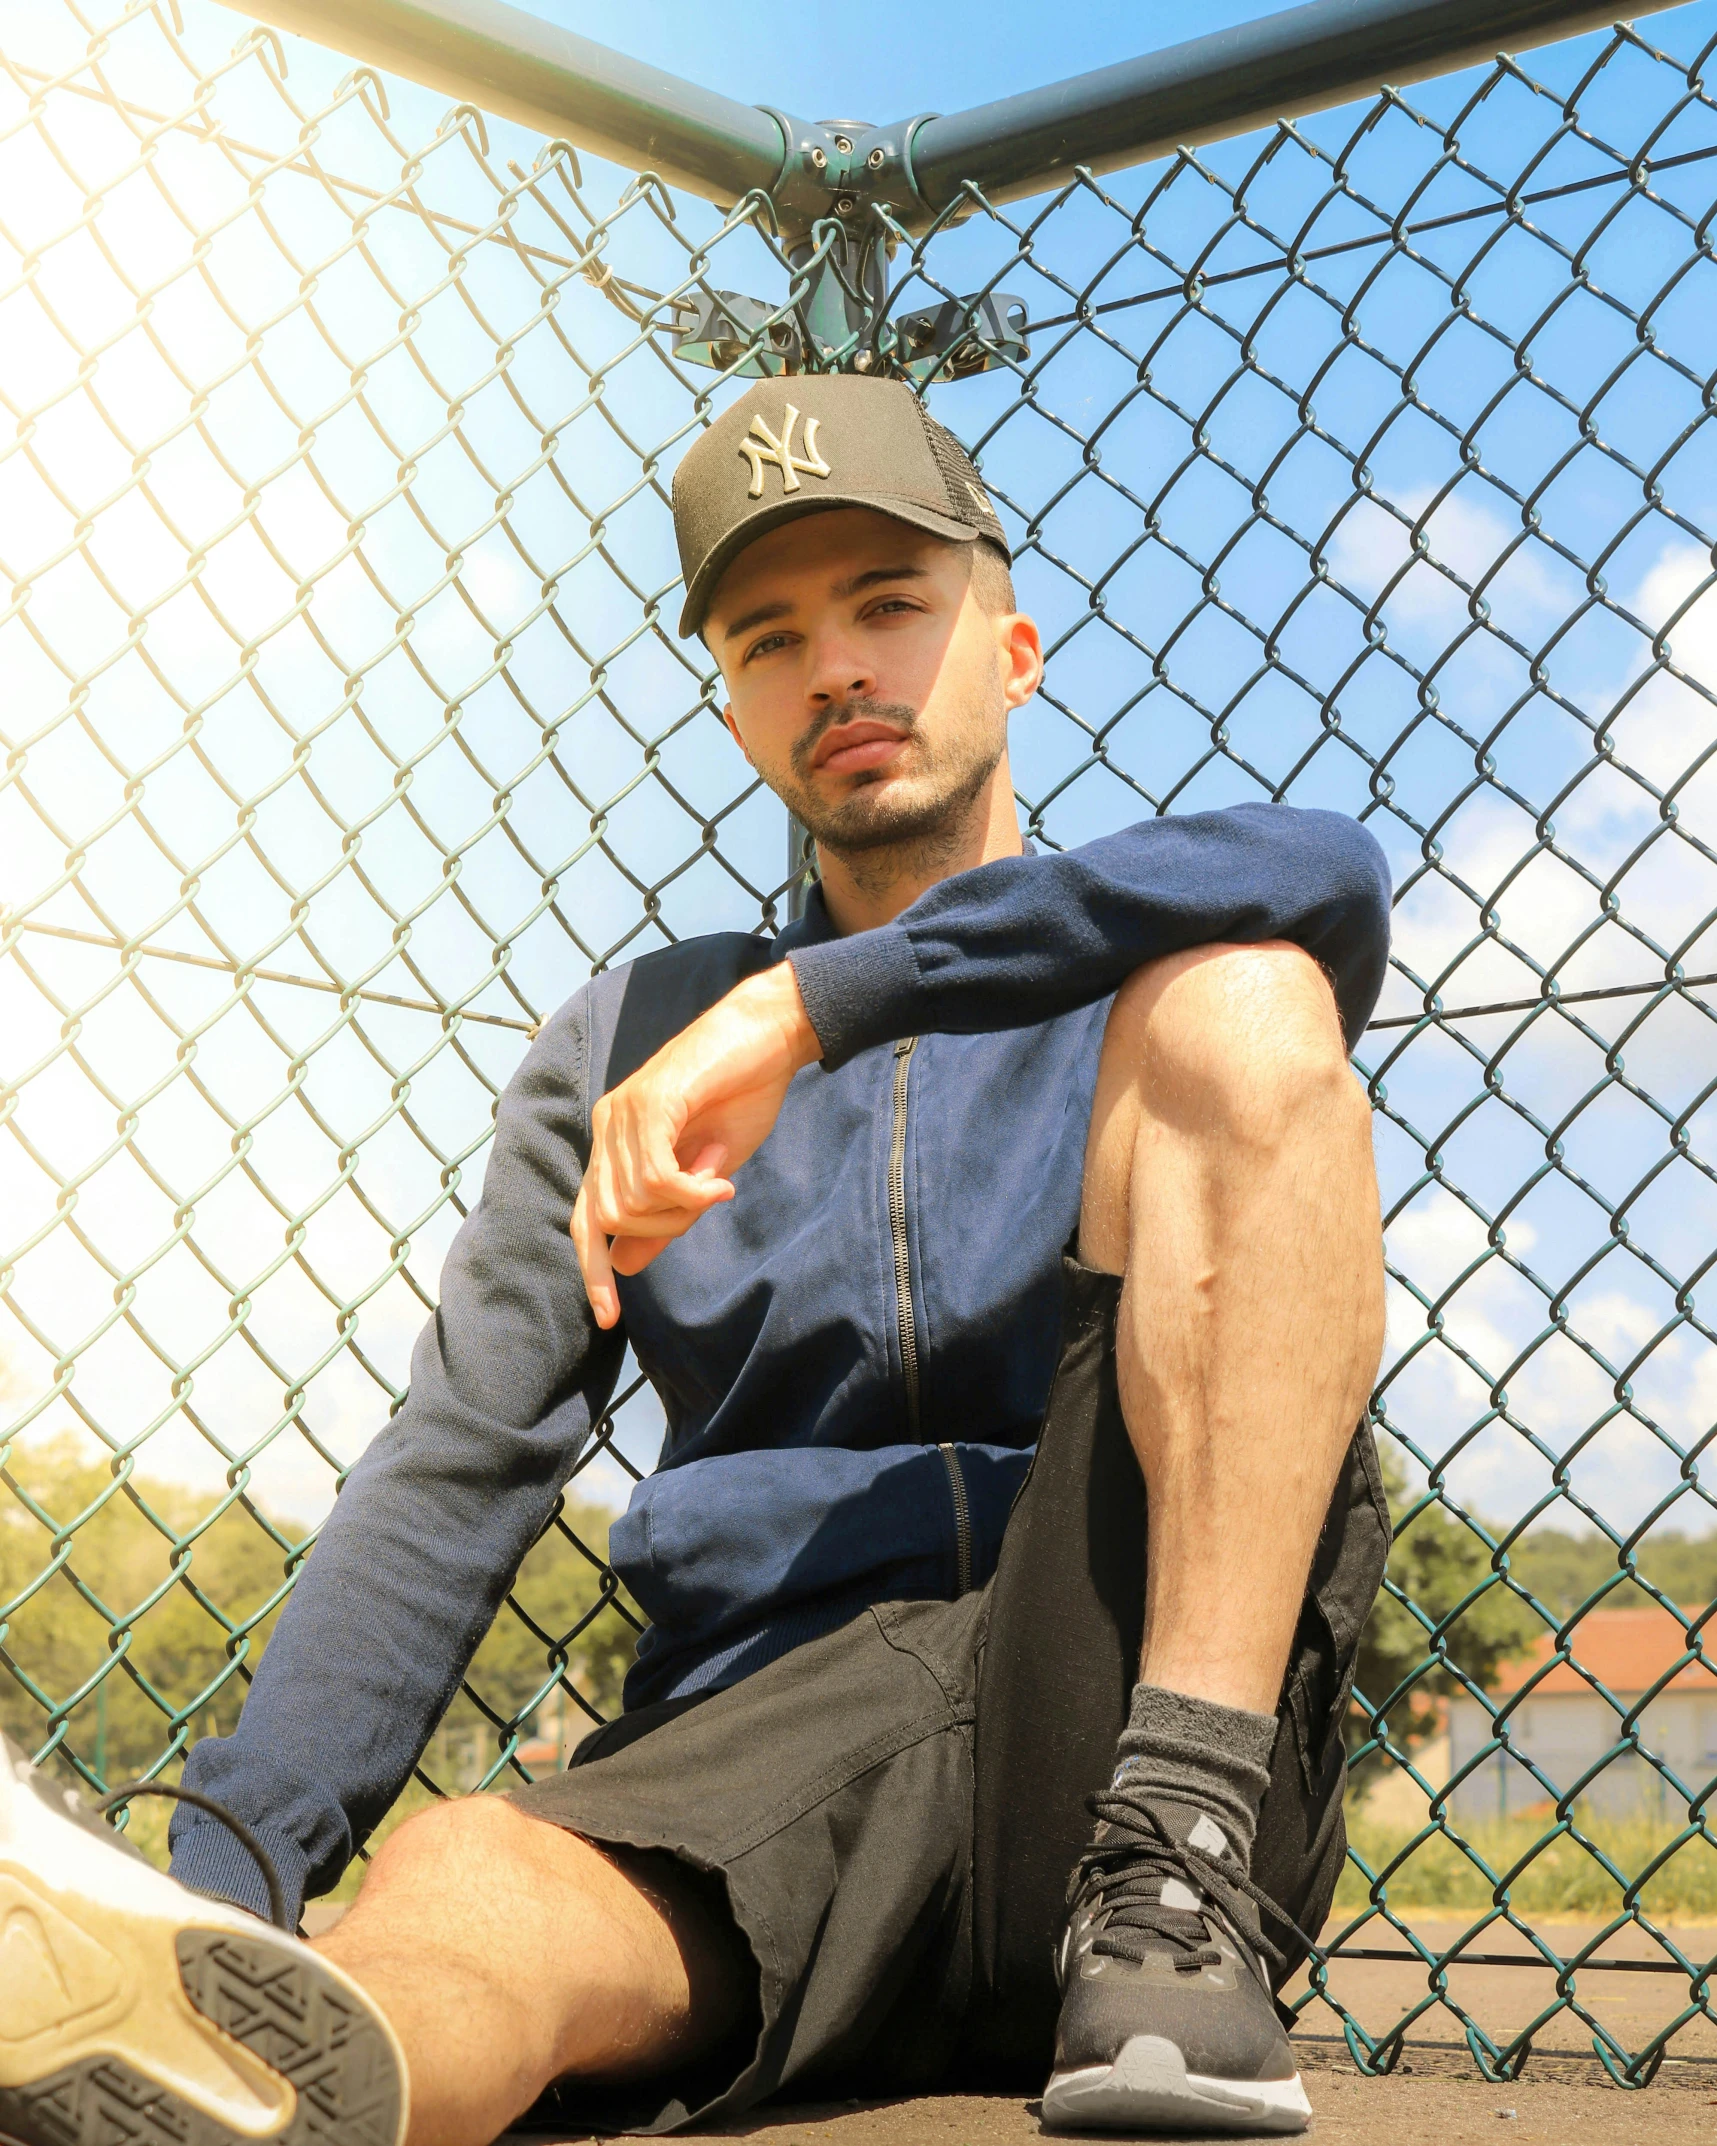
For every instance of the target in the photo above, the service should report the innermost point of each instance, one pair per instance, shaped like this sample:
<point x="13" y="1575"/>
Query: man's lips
<point x="850" y="748"/>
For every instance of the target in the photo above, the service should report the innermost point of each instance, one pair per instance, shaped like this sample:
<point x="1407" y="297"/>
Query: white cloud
<point x="1465" y="537"/>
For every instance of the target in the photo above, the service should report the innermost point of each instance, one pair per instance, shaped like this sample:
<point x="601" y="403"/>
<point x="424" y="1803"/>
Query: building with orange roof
<point x="1565" y="1717"/>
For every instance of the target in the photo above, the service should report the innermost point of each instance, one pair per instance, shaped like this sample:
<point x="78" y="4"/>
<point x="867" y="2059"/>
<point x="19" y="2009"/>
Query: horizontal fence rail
<point x="1210" y="88"/>
<point x="513" y="62"/>
<point x="1365" y="461"/>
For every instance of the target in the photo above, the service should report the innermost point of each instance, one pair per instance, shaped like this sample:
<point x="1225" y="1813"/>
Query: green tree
<point x="116" y="1581"/>
<point x="557" y="1588"/>
<point x="1437" y="1561"/>
<point x="1564" y="1571"/>
<point x="183" y="1607"/>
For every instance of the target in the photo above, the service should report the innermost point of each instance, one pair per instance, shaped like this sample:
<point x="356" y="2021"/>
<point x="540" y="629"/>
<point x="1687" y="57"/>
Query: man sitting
<point x="1002" y="1239"/>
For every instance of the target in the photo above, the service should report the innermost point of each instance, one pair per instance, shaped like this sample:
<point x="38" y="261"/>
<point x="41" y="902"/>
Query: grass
<point x="1564" y="1879"/>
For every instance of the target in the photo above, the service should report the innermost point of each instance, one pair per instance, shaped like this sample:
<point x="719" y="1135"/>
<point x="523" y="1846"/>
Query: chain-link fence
<point x="1363" y="462"/>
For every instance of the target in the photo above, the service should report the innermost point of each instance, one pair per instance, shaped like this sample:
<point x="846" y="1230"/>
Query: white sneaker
<point x="134" y="2012"/>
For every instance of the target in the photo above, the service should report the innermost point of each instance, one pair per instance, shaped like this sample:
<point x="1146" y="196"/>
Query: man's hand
<point x="664" y="1143"/>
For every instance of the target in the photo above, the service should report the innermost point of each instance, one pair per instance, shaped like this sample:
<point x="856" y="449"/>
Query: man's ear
<point x="733" y="732"/>
<point x="1021" y="652"/>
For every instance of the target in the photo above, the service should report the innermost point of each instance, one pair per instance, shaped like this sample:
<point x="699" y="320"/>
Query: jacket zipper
<point x="897" y="1225"/>
<point x="962" y="1521"/>
<point x="908" y="1327"/>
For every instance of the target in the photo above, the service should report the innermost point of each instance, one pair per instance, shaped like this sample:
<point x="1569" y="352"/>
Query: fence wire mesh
<point x="1364" y="462"/>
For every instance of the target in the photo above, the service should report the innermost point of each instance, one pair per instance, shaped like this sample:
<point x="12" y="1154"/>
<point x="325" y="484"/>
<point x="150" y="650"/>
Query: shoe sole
<point x="339" y="2082"/>
<point x="1148" y="2088"/>
<point x="136" y="2013"/>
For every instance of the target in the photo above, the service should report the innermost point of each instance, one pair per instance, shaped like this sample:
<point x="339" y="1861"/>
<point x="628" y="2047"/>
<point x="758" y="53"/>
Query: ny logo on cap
<point x="778" y="453"/>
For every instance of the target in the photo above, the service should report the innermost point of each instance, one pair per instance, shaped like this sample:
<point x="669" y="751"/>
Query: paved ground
<point x="1435" y="2098"/>
<point x="1422" y="2109"/>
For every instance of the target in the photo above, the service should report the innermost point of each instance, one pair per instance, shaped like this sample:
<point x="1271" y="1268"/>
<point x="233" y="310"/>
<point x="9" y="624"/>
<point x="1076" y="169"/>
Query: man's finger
<point x="591" y="1245"/>
<point x="631" y="1255"/>
<point x="624" y="1199"/>
<point x="599" y="1226"/>
<point x="614" y="1219"/>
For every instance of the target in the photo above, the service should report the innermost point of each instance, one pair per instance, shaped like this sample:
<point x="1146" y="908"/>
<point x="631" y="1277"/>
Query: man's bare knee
<point x="480" y="1862"/>
<point x="452" y="1831"/>
<point x="1237" y="1046"/>
<point x="1238" y="1041"/>
<point x="475" y="1847"/>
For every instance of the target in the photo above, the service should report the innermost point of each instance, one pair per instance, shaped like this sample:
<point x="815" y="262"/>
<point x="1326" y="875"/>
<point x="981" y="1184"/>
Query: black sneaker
<point x="1167" y="2021"/>
<point x="134" y="2012"/>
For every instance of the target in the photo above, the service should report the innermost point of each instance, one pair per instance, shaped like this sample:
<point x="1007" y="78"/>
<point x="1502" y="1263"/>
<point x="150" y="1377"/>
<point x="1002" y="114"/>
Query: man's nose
<point x="839" y="670"/>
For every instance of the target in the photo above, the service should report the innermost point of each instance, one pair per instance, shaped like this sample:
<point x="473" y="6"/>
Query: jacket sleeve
<point x="1023" y="939"/>
<point x="432" y="1523"/>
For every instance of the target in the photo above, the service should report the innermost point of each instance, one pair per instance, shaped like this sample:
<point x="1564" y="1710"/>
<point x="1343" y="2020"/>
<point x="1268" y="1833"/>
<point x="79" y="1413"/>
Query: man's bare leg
<point x="506" y="1953"/>
<point x="1229" y="1176"/>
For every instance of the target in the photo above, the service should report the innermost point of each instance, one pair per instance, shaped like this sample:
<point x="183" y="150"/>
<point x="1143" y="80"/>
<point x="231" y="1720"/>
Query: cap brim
<point x="702" y="585"/>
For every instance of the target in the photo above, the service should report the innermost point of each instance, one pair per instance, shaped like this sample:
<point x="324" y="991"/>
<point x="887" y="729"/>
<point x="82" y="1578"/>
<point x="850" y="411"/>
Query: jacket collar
<point x="816" y="925"/>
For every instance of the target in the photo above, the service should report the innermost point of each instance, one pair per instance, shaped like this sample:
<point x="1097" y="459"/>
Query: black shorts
<point x="890" y="1813"/>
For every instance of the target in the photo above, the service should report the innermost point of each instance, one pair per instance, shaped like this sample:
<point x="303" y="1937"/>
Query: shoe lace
<point x="236" y="1826"/>
<point x="1126" y="1871"/>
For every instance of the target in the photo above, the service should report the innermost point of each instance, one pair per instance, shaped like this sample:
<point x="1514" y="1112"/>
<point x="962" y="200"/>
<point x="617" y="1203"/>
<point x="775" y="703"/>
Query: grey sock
<point x="1212" y="1758"/>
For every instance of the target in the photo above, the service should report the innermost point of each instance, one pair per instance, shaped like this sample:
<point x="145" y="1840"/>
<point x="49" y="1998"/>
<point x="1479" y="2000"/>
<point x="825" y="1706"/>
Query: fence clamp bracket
<point x="832" y="174"/>
<point x="838" y="167"/>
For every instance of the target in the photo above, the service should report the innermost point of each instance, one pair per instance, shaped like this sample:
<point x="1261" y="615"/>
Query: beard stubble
<point x="874" y="834"/>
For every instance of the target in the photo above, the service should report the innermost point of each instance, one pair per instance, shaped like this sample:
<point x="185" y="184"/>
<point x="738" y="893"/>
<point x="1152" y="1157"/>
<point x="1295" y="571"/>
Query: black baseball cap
<point x="803" y="445"/>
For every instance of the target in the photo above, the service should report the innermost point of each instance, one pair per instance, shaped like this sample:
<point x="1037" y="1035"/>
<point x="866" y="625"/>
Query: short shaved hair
<point x="992" y="579"/>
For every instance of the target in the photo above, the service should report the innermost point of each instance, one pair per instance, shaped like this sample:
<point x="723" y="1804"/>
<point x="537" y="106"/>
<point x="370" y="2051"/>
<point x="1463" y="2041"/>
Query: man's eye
<point x="766" y="647"/>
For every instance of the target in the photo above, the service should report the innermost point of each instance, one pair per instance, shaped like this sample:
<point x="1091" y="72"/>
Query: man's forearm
<point x="1024" y="939"/>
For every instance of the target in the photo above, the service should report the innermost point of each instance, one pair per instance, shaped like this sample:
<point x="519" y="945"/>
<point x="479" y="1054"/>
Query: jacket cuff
<point x="209" y="1859"/>
<point x="859" y="991"/>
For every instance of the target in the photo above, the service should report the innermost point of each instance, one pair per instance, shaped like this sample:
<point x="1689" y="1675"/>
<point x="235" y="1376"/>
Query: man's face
<point x="868" y="686"/>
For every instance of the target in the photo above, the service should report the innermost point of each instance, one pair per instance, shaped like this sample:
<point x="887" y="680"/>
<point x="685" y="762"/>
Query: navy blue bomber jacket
<point x="853" y="1356"/>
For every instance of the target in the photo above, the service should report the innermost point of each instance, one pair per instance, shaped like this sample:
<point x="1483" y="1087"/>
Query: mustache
<point x="895" y="712"/>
